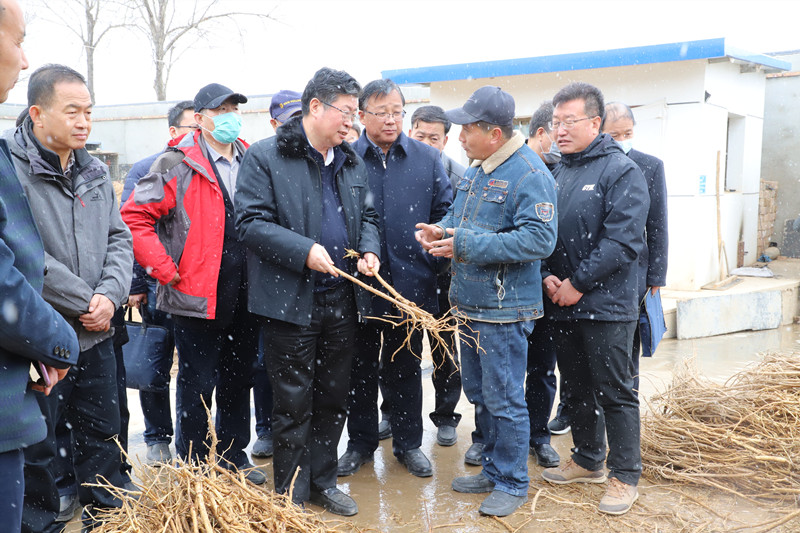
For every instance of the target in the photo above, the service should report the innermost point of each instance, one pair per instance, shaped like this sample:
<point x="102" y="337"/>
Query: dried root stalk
<point x="415" y="318"/>
<point x="742" y="437"/>
<point x="188" y="497"/>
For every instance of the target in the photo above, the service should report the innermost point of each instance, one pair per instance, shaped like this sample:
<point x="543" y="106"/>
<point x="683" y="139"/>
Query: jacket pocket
<point x="491" y="208"/>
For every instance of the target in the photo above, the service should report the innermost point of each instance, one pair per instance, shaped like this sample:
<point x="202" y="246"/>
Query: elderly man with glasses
<point x="590" y="284"/>
<point x="409" y="185"/>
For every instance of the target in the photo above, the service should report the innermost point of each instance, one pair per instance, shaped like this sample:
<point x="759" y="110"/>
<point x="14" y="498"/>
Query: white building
<point x="695" y="103"/>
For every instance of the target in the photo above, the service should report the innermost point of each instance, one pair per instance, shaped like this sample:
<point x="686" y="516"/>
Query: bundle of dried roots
<point x="204" y="498"/>
<point x="742" y="437"/>
<point x="414" y="318"/>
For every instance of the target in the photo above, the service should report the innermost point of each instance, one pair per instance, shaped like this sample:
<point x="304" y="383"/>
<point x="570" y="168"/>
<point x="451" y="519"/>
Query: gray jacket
<point x="87" y="247"/>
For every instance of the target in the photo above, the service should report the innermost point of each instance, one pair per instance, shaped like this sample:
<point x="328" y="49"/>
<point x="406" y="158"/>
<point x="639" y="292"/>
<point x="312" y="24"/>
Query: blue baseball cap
<point x="284" y="105"/>
<point x="488" y="104"/>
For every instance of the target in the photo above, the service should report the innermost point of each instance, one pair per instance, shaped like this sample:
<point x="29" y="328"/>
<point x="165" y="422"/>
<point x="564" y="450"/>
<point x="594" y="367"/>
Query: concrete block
<point x="728" y="313"/>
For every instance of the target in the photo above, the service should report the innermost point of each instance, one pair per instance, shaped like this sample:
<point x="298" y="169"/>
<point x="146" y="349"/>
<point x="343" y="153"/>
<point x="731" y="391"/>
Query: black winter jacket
<point x="279" y="215"/>
<point x="602" y="209"/>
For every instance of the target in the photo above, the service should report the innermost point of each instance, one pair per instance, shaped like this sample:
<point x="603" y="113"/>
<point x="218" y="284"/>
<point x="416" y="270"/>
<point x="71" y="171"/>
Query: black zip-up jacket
<point x="279" y="216"/>
<point x="602" y="209"/>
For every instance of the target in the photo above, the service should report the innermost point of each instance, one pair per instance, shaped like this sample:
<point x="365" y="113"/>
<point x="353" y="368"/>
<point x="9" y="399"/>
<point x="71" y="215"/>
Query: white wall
<point x="677" y="124"/>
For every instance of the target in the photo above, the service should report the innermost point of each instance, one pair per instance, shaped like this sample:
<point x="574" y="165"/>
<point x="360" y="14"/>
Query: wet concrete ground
<point x="390" y="499"/>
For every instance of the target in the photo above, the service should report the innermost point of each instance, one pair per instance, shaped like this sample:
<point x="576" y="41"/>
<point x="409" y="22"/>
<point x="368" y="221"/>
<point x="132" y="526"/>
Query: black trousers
<point x="446" y="377"/>
<point x="540" y="387"/>
<point x="309" y="369"/>
<point x="89" y="401"/>
<point x="375" y="349"/>
<point x="595" y="361"/>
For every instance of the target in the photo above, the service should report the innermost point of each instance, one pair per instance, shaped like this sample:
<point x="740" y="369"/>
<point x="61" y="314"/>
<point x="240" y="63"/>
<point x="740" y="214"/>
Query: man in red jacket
<point x="181" y="215"/>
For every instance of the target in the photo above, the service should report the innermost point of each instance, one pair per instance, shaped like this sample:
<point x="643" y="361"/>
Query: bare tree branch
<point x="168" y="30"/>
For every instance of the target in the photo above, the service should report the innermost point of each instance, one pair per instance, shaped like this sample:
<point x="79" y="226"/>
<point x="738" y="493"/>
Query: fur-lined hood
<point x="292" y="142"/>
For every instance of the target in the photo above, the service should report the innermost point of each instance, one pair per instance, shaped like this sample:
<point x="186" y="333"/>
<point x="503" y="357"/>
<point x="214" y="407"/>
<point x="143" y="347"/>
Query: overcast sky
<point x="365" y="37"/>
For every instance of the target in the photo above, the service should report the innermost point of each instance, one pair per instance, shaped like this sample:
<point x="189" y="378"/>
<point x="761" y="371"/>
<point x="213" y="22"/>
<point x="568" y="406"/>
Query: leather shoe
<point x="384" y="429"/>
<point x="473" y="484"/>
<point x="500" y="503"/>
<point x="474" y="455"/>
<point x="545" y="455"/>
<point x="416" y="462"/>
<point x="334" y="501"/>
<point x="350" y="462"/>
<point x="446" y="435"/>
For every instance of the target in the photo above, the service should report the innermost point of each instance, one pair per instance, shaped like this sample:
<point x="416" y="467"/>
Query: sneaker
<point x="500" y="503"/>
<point x="157" y="453"/>
<point x="474" y="455"/>
<point x="263" y="447"/>
<point x="619" y="497"/>
<point x="351" y="462"/>
<point x="384" y="429"/>
<point x="334" y="501"/>
<point x="559" y="426"/>
<point x="545" y="455"/>
<point x="68" y="506"/>
<point x="571" y="472"/>
<point x="251" y="473"/>
<point x="476" y="484"/>
<point x="446" y="435"/>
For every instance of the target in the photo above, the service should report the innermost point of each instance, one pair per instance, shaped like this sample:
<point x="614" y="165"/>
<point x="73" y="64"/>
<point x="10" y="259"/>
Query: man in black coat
<point x="302" y="200"/>
<point x="590" y="282"/>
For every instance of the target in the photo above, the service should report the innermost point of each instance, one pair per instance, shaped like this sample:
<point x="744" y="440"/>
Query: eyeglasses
<point x="383" y="115"/>
<point x="567" y="124"/>
<point x="346" y="115"/>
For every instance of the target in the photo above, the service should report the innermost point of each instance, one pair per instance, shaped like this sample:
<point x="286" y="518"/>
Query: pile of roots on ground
<point x="204" y="498"/>
<point x="742" y="437"/>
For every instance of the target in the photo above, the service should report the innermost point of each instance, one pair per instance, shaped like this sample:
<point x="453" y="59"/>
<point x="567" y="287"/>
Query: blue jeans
<point x="156" y="407"/>
<point x="494" y="382"/>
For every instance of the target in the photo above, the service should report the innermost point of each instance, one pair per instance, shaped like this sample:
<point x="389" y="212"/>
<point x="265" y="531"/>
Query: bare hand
<point x="55" y="375"/>
<point x="566" y="295"/>
<point x="551" y="284"/>
<point x="137" y="300"/>
<point x="427" y="233"/>
<point x="369" y="264"/>
<point x="654" y="290"/>
<point x="175" y="280"/>
<point x="319" y="260"/>
<point x="101" y="309"/>
<point x="444" y="247"/>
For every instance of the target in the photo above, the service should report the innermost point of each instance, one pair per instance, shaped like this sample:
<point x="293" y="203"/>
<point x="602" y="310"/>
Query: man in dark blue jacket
<point x="302" y="200"/>
<point x="409" y="184"/>
<point x="31" y="332"/>
<point x="618" y="122"/>
<point x="590" y="282"/>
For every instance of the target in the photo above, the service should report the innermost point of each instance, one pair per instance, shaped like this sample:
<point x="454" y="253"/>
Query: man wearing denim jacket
<point x="502" y="223"/>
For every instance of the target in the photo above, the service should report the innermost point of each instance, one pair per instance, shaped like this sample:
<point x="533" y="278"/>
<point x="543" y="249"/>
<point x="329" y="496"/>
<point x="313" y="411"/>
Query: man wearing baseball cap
<point x="285" y="104"/>
<point x="182" y="219"/>
<point x="501" y="225"/>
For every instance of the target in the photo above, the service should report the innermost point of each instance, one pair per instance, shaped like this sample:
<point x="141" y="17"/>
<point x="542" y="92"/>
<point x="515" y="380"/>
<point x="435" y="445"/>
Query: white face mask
<point x="626" y="145"/>
<point x="553" y="156"/>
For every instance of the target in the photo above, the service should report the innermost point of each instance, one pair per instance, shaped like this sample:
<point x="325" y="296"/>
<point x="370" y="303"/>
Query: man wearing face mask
<point x="182" y="218"/>
<point x="618" y="122"/>
<point x="540" y="138"/>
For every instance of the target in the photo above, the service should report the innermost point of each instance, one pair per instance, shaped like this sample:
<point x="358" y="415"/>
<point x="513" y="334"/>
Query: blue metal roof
<point x="620" y="57"/>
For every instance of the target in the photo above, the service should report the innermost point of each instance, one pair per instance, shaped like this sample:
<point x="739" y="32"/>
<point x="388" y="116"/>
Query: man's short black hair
<point x="615" y="111"/>
<point x="431" y="114"/>
<point x="175" y="112"/>
<point x="506" y="131"/>
<point x="327" y="85"/>
<point x="577" y="90"/>
<point x="383" y="87"/>
<point x="541" y="118"/>
<point x="42" y="83"/>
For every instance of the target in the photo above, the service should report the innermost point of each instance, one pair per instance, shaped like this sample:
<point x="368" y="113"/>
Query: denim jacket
<point x="505" y="221"/>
